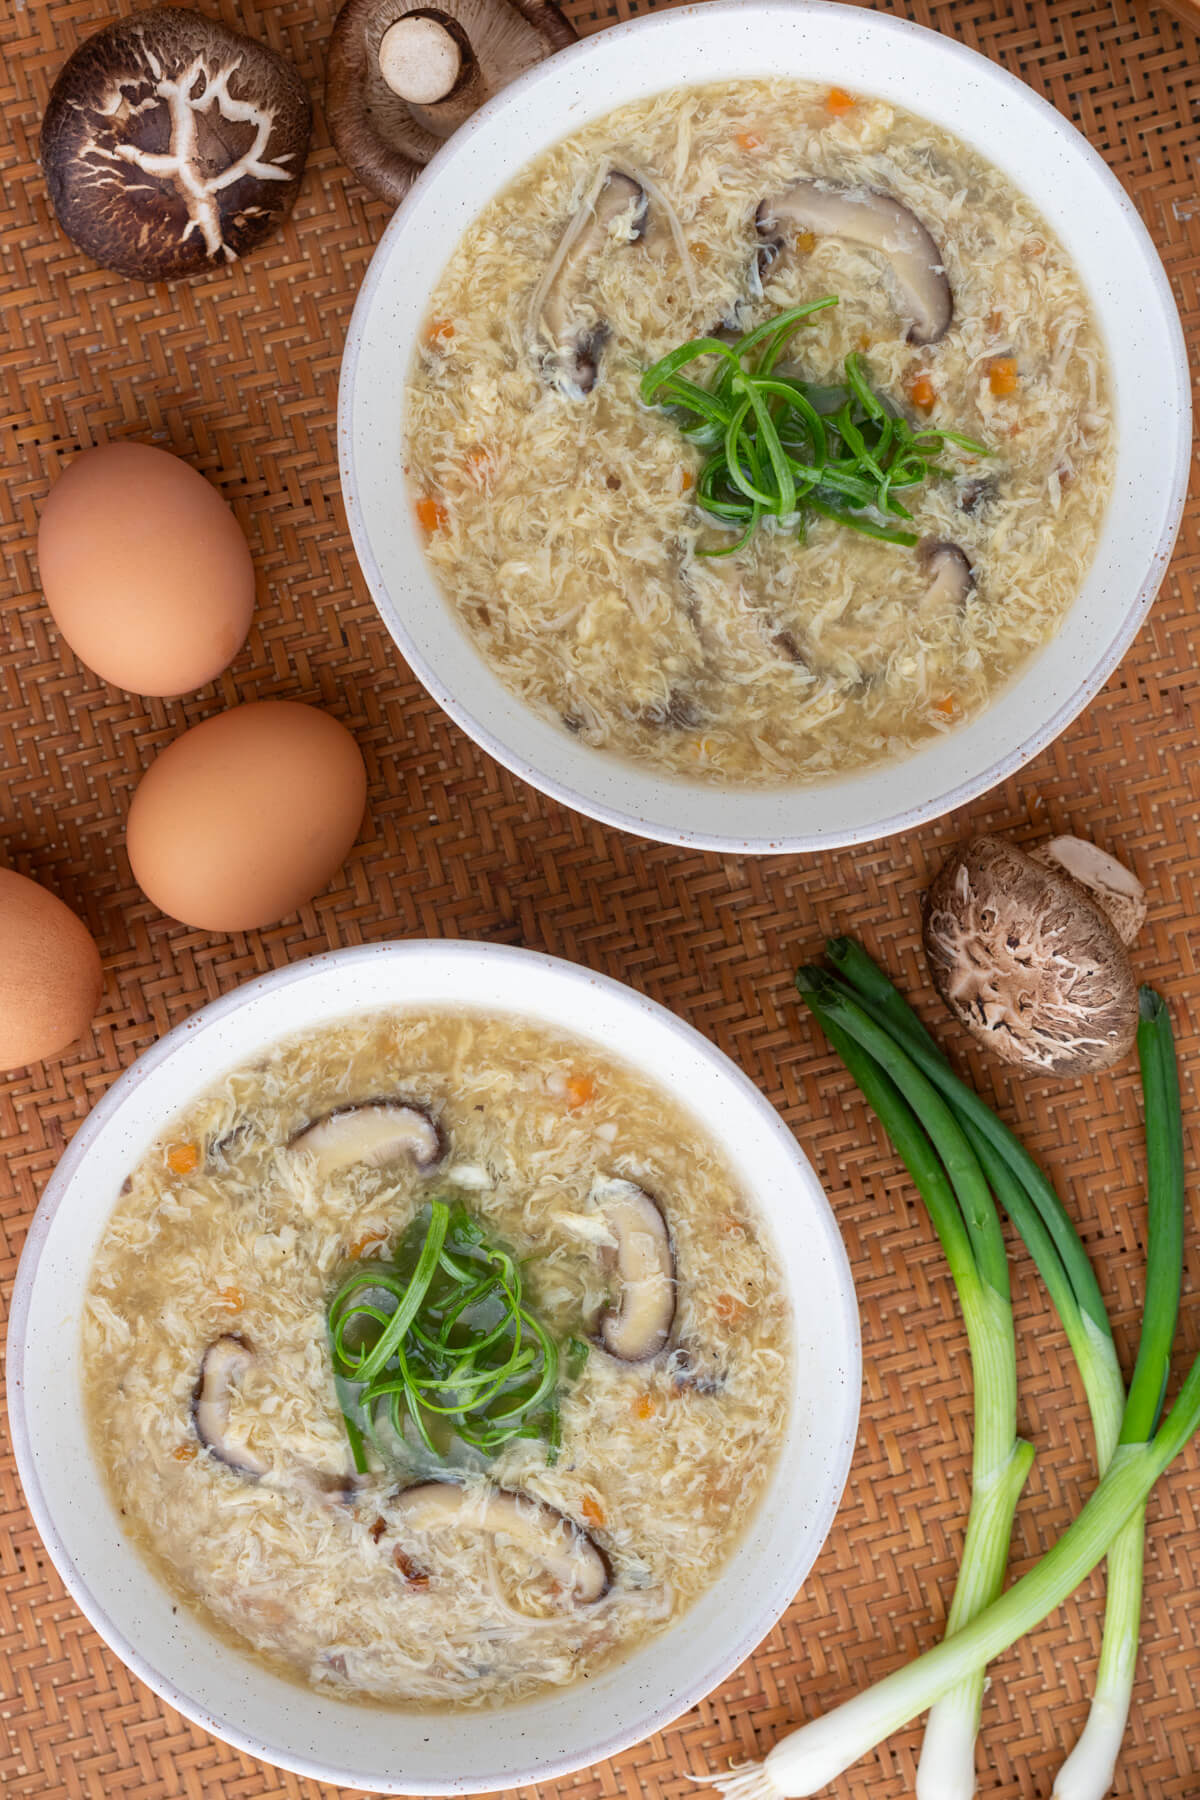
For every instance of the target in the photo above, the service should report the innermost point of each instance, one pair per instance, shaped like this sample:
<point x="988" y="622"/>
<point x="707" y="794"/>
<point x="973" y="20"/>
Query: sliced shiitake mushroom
<point x="546" y="1535"/>
<point x="1030" y="965"/>
<point x="372" y="1132"/>
<point x="563" y="325"/>
<point x="877" y="222"/>
<point x="222" y="1367"/>
<point x="638" y="1324"/>
<point x="869" y="641"/>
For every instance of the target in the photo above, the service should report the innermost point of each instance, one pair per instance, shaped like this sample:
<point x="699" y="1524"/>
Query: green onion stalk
<point x="855" y="1009"/>
<point x="951" y="1182"/>
<point x="1034" y="1207"/>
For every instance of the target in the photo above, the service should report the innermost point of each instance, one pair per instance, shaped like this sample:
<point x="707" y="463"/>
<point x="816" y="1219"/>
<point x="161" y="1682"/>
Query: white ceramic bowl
<point x="226" y="1691"/>
<point x="956" y="88"/>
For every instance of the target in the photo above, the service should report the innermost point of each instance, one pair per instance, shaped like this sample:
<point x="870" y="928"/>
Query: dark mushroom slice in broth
<point x="638" y="1324"/>
<point x="547" y="1536"/>
<point x="373" y="1132"/>
<point x="222" y="1367"/>
<point x="1033" y="968"/>
<point x="563" y="324"/>
<point x="877" y="222"/>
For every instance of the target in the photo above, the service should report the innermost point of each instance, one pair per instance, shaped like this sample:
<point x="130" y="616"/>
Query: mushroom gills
<point x="877" y="222"/>
<point x="1031" y="965"/>
<point x="222" y="1367"/>
<point x="371" y="1132"/>
<point x="639" y="1324"/>
<point x="561" y="321"/>
<point x="548" y="1537"/>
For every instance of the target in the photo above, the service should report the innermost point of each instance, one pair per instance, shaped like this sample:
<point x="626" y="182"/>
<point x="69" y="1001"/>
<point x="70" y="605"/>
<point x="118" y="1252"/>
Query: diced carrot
<point x="806" y="242"/>
<point x="730" y="1224"/>
<point x="231" y="1298"/>
<point x="580" y="1090"/>
<point x="748" y="140"/>
<point x="864" y="340"/>
<point x="439" y="331"/>
<point x="370" y="1240"/>
<point x="1002" y="376"/>
<point x="838" y="101"/>
<point x="686" y="480"/>
<point x="995" y="319"/>
<point x="644" y="1407"/>
<point x="431" y="514"/>
<point x="184" y="1453"/>
<point x="729" y="1309"/>
<point x="592" y="1511"/>
<point x="182" y="1159"/>
<point x="947" y="705"/>
<point x="922" y="393"/>
<point x="479" y="461"/>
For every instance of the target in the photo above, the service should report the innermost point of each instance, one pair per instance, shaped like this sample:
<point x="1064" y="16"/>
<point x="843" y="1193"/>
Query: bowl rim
<point x="744" y="1636"/>
<point x="664" y="830"/>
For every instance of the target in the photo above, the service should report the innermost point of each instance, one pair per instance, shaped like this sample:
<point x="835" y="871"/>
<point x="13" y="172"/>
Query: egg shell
<point x="50" y="975"/>
<point x="246" y="816"/>
<point x="145" y="569"/>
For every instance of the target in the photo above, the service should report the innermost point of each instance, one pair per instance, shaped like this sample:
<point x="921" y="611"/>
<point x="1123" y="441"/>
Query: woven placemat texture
<point x="238" y="372"/>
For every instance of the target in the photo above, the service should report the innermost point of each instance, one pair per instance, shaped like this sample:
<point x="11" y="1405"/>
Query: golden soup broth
<point x="565" y="531"/>
<point x="662" y="1461"/>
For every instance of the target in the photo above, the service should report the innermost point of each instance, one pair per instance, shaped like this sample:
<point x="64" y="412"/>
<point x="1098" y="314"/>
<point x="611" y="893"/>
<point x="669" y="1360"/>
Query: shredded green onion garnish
<point x="444" y="1335"/>
<point x="789" y="449"/>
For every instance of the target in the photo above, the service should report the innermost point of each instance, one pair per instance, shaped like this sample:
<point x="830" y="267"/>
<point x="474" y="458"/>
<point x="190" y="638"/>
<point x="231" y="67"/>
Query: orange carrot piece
<point x="748" y="140"/>
<point x="729" y="1309"/>
<point x="184" y="1453"/>
<point x="922" y="393"/>
<point x="231" y="1298"/>
<point x="580" y="1090"/>
<point x="1002" y="376"/>
<point x="431" y="514"/>
<point x="947" y="705"/>
<point x="592" y="1511"/>
<point x="806" y="242"/>
<point x="370" y="1240"/>
<point x="644" y="1407"/>
<point x="838" y="101"/>
<point x="182" y="1159"/>
<point x="439" y="331"/>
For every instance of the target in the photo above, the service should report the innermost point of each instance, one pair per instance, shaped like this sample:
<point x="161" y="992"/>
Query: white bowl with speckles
<point x="930" y="75"/>
<point x="227" y="1691"/>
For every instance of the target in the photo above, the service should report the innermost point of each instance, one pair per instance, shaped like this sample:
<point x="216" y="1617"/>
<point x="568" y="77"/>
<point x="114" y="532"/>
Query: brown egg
<point x="145" y="569"/>
<point x="50" y="978"/>
<point x="247" y="816"/>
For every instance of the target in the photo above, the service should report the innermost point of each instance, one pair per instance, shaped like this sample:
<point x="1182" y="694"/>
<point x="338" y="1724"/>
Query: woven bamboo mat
<point x="238" y="373"/>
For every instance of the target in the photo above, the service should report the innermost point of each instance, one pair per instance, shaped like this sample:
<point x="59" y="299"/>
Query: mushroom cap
<point x="372" y="1133"/>
<point x="172" y="145"/>
<point x="1027" y="962"/>
<point x="379" y="135"/>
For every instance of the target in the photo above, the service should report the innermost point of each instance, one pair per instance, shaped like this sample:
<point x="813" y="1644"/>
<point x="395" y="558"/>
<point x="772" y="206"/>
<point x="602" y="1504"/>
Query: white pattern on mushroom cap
<point x="172" y="144"/>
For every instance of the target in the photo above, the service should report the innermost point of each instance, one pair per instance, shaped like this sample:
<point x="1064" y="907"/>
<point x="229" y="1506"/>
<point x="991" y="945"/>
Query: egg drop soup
<point x="574" y="1425"/>
<point x="589" y="543"/>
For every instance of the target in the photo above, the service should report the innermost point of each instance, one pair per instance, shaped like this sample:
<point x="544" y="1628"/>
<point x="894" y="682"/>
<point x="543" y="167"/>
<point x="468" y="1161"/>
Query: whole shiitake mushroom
<point x="172" y="144"/>
<point x="1030" y="960"/>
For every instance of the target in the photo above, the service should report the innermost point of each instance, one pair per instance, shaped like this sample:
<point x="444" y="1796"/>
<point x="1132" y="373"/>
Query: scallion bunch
<point x="884" y="1045"/>
<point x="789" y="449"/>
